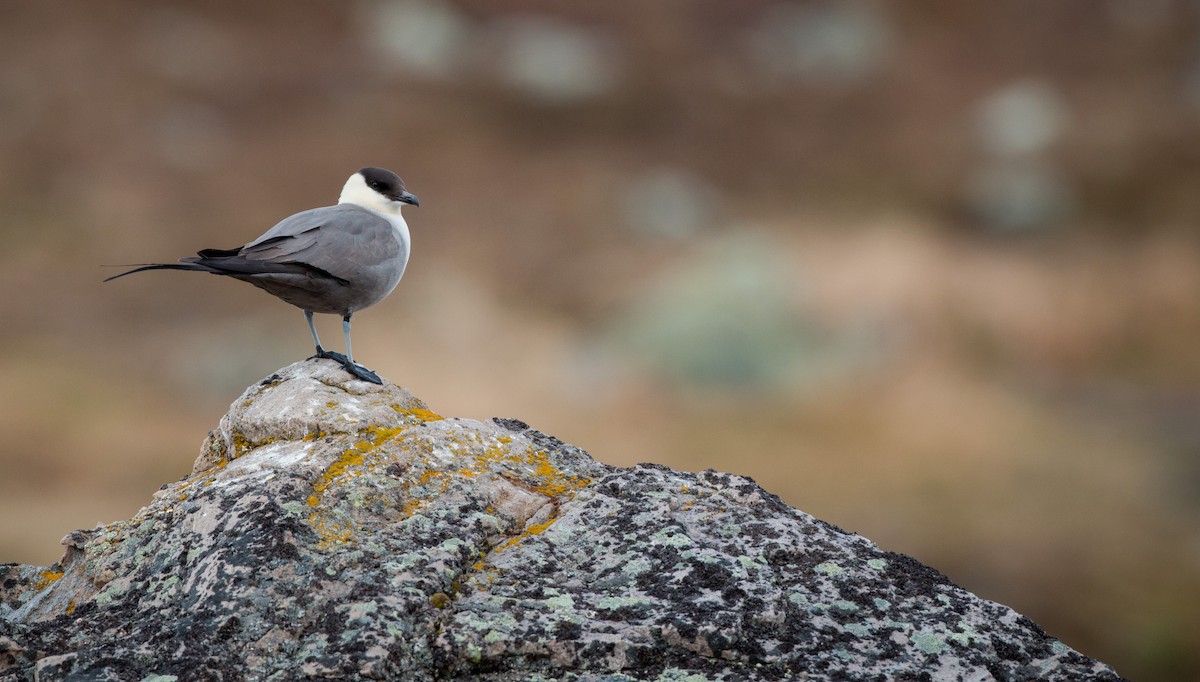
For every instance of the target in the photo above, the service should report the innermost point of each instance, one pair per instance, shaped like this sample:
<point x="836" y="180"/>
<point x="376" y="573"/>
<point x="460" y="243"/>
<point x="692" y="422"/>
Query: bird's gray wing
<point x="337" y="239"/>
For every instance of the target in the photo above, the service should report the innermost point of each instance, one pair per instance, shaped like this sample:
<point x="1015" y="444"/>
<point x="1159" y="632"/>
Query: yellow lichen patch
<point x="547" y="479"/>
<point x="507" y="543"/>
<point x="492" y="454"/>
<point x="70" y="607"/>
<point x="242" y="444"/>
<point x="529" y="467"/>
<point x="331" y="403"/>
<point x="440" y="600"/>
<point x="442" y="480"/>
<point x="378" y="435"/>
<point x="355" y="456"/>
<point x="47" y="579"/>
<point x="553" y="482"/>
<point x="330" y="531"/>
<point x="352" y="462"/>
<point x="350" y="458"/>
<point x="427" y="478"/>
<point x="539" y="528"/>
<point x="420" y="413"/>
<point x="204" y="478"/>
<point x="484" y="573"/>
<point x="411" y="507"/>
<point x="535" y="529"/>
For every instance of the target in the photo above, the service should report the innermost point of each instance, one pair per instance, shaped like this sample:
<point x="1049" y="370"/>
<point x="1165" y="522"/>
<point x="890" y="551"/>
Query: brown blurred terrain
<point x="927" y="270"/>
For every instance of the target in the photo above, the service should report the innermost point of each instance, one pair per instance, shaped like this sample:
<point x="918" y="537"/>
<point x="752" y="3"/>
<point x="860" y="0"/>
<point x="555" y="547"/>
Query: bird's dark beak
<point x="409" y="198"/>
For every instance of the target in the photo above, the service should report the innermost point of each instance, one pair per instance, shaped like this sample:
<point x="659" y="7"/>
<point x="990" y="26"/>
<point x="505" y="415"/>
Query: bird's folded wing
<point x="332" y="238"/>
<point x="237" y="266"/>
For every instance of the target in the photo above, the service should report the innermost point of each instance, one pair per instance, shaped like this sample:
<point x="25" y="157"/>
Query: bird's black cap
<point x="388" y="184"/>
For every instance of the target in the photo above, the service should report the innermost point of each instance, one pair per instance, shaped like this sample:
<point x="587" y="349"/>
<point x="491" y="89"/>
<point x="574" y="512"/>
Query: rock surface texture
<point x="337" y="529"/>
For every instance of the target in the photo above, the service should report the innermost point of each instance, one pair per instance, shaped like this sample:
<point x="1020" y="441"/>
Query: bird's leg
<point x="347" y="360"/>
<point x="352" y="366"/>
<point x="313" y="328"/>
<point x="321" y="352"/>
<point x="346" y="333"/>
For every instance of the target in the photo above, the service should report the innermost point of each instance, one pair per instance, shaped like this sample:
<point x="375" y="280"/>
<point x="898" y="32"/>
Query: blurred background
<point x="928" y="270"/>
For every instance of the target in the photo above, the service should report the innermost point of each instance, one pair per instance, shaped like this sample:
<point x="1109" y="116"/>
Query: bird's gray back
<point x="353" y="244"/>
<point x="329" y="234"/>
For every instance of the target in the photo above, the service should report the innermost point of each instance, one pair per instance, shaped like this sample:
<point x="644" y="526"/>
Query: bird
<point x="333" y="260"/>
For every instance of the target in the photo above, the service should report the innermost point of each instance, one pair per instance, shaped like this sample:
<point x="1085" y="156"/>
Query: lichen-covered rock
<point x="337" y="529"/>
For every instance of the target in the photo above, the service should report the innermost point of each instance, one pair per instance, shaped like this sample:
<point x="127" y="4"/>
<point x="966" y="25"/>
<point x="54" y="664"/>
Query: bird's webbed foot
<point x="350" y="366"/>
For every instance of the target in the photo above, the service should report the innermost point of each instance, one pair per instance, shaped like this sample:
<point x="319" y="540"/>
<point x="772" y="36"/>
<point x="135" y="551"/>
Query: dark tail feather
<point x="218" y="253"/>
<point x="233" y="266"/>
<point x="164" y="266"/>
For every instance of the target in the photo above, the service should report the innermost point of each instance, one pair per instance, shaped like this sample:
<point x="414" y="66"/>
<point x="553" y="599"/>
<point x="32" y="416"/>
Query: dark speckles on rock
<point x="357" y="535"/>
<point x="514" y="425"/>
<point x="911" y="576"/>
<point x="229" y="628"/>
<point x="227" y="503"/>
<point x="1025" y="622"/>
<point x="818" y="523"/>
<point x="1007" y="651"/>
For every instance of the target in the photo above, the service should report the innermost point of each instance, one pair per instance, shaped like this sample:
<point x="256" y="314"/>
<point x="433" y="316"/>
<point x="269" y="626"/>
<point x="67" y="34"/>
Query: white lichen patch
<point x="280" y="455"/>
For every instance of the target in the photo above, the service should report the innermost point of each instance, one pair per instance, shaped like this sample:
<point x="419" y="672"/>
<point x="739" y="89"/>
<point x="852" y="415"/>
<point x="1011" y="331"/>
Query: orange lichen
<point x="553" y="482"/>
<point x="378" y="435"/>
<point x="426" y="475"/>
<point x="420" y="413"/>
<point x="47" y="579"/>
<point x="352" y="462"/>
<point x="539" y="528"/>
<point x="241" y="445"/>
<point x="536" y="529"/>
<point x="330" y="531"/>
<point x="350" y="458"/>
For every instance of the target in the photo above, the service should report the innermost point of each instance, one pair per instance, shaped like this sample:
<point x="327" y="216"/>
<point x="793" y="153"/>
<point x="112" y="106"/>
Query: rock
<point x="333" y="528"/>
